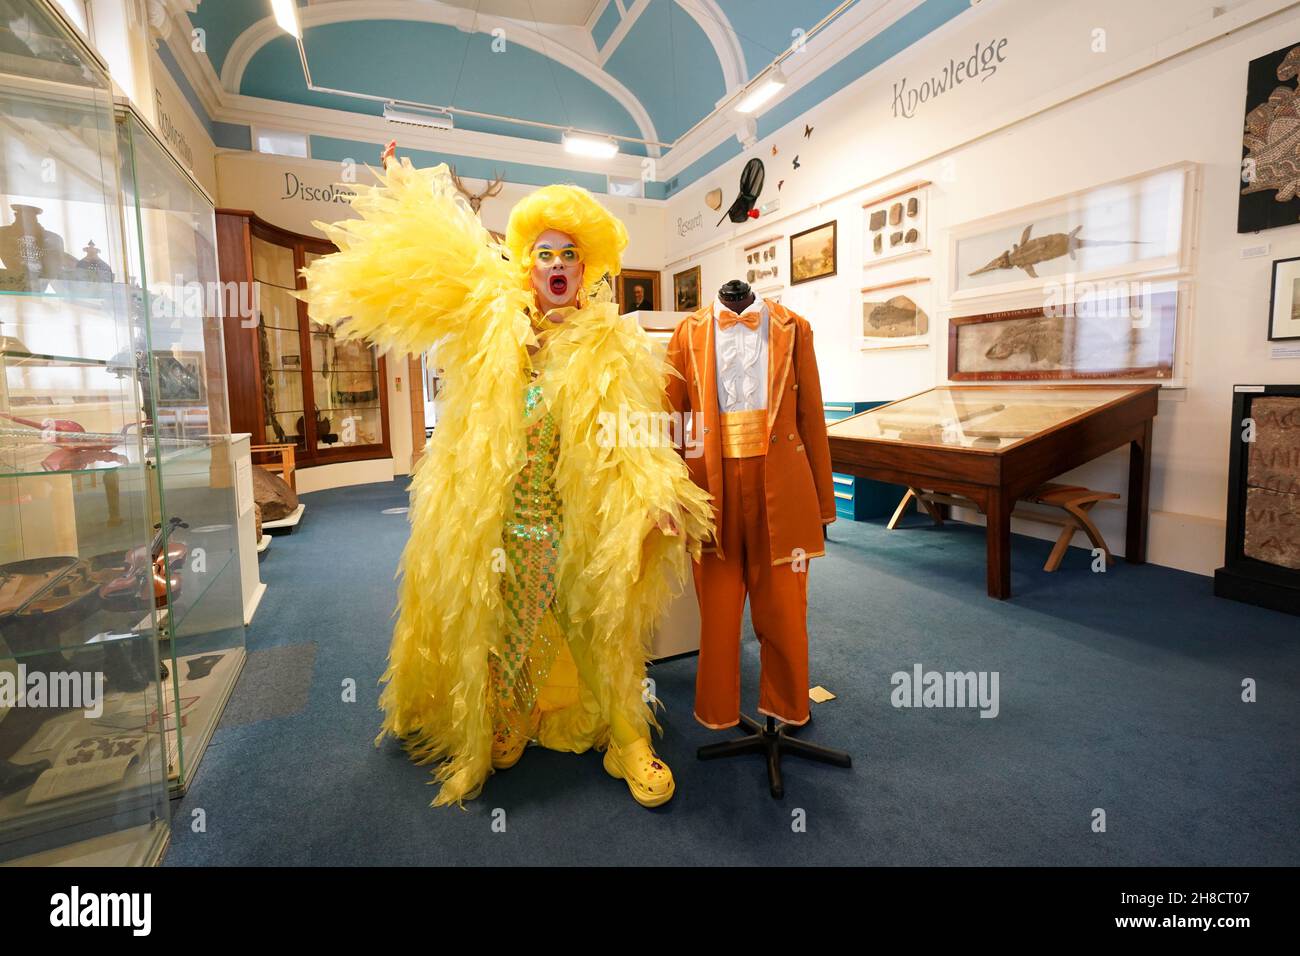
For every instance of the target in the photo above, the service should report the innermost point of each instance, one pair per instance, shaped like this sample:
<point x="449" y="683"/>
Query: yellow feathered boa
<point x="416" y="269"/>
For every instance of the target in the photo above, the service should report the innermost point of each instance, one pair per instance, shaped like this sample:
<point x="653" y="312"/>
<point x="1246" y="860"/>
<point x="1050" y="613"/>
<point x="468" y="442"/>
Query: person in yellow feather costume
<point x="539" y="547"/>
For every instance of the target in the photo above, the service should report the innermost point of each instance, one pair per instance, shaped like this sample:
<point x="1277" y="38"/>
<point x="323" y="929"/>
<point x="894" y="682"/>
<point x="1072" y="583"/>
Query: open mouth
<point x="558" y="285"/>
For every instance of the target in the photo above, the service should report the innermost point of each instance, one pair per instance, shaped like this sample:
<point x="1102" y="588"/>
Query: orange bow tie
<point x="727" y="318"/>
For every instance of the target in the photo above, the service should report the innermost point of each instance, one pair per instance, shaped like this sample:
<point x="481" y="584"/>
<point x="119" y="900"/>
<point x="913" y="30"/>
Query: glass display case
<point x="171" y="253"/>
<point x="991" y="418"/>
<point x="82" y="747"/>
<point x="292" y="381"/>
<point x="992" y="445"/>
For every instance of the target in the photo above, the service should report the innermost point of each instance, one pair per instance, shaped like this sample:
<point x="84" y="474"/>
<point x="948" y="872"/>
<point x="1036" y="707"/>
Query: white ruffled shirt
<point x="741" y="355"/>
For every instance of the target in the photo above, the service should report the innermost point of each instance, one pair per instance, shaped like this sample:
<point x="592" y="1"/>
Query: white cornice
<point x="315" y="120"/>
<point x="265" y="30"/>
<point x="856" y="26"/>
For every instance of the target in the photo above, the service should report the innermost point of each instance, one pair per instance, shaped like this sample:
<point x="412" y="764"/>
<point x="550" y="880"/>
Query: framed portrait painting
<point x="686" y="290"/>
<point x="638" y="291"/>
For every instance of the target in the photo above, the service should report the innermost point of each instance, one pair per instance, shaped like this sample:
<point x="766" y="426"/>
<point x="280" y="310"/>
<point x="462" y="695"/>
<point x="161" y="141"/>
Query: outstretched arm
<point x="415" y="267"/>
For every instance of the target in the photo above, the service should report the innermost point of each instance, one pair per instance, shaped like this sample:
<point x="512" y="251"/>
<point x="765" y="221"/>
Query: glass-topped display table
<point x="995" y="444"/>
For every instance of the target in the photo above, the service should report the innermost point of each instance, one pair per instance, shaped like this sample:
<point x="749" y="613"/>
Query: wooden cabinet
<point x="293" y="382"/>
<point x="994" y="444"/>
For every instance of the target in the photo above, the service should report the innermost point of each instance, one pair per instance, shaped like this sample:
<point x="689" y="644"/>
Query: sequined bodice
<point x="532" y="545"/>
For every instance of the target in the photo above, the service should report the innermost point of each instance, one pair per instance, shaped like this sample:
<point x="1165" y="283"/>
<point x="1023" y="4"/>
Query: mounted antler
<point x="476" y="199"/>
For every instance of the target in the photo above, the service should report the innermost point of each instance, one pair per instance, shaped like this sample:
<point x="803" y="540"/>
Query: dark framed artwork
<point x="813" y="253"/>
<point x="686" y="289"/>
<point x="638" y="291"/>
<point x="1270" y="153"/>
<point x="179" y="378"/>
<point x="1262" y="544"/>
<point x="1087" y="338"/>
<point x="1284" y="301"/>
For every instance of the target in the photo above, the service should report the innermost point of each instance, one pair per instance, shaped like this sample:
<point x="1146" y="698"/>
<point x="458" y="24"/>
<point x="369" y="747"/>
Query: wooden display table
<point x="994" y="445"/>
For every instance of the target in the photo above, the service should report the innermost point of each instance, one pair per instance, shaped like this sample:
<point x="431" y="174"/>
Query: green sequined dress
<point x="531" y="541"/>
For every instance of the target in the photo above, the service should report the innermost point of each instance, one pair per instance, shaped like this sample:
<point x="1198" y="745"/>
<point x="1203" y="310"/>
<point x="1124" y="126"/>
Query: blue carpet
<point x="1119" y="691"/>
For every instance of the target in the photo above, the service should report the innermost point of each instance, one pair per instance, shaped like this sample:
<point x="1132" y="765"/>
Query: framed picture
<point x="1092" y="337"/>
<point x="686" y="289"/>
<point x="179" y="378"/>
<point x="638" y="290"/>
<point x="1268" y="150"/>
<point x="759" y="264"/>
<point x="813" y="253"/>
<point x="1284" y="302"/>
<point x="1141" y="225"/>
<point x="896" y="224"/>
<point x="1262" y="543"/>
<point x="896" y="315"/>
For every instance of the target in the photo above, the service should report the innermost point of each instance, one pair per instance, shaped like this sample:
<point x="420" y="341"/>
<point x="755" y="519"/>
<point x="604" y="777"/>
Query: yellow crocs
<point x="648" y="777"/>
<point x="509" y="744"/>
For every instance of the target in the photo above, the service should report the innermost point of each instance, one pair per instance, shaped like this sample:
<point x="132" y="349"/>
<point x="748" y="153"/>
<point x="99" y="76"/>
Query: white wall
<point x="1086" y="118"/>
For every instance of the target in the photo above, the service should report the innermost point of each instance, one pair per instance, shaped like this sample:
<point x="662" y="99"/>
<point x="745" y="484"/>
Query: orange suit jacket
<point x="797" y="469"/>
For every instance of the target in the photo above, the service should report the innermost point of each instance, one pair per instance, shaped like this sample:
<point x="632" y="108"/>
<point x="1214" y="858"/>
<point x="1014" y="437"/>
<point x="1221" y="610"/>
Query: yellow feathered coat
<point x="416" y="269"/>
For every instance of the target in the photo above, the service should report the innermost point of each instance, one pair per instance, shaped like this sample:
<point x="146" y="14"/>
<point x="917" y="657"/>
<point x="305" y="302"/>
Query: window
<point x="281" y="142"/>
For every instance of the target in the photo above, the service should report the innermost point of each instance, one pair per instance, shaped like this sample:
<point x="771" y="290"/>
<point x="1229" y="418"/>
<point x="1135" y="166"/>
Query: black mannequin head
<point x="736" y="295"/>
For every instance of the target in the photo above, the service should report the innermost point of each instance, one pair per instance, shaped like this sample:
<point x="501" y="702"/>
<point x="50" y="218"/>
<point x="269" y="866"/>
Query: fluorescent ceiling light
<point x="418" y="116"/>
<point x="597" y="147"/>
<point x="286" y="15"/>
<point x="763" y="90"/>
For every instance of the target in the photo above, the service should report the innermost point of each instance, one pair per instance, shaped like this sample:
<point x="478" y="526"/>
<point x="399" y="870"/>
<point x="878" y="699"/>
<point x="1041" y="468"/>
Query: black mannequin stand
<point x="774" y="740"/>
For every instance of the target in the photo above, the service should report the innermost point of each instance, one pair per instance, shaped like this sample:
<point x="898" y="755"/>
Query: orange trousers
<point x="778" y="607"/>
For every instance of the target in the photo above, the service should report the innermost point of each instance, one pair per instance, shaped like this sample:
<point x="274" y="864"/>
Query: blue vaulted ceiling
<point x="434" y="63"/>
<point x="647" y="69"/>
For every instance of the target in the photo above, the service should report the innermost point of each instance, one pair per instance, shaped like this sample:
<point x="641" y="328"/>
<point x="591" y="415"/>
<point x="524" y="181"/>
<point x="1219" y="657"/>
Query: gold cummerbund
<point x="744" y="434"/>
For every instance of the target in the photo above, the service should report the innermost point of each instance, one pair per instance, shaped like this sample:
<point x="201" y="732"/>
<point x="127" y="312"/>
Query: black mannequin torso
<point x="737" y="296"/>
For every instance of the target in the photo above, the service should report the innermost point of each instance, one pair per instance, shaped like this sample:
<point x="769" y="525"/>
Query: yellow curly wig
<point x="575" y="212"/>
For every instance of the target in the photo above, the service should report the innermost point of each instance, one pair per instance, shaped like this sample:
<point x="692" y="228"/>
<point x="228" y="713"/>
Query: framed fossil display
<point x="686" y="290"/>
<point x="1092" y="337"/>
<point x="896" y="224"/>
<point x="813" y="253"/>
<point x="897" y="315"/>
<point x="1284" y="302"/>
<point x="1262" y="543"/>
<point x="759" y="264"/>
<point x="1270" y="160"/>
<point x="1139" y="226"/>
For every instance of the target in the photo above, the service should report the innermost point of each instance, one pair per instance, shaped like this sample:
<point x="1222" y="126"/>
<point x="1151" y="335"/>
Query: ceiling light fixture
<point x="597" y="147"/>
<point x="286" y="15"/>
<point x="418" y="116"/>
<point x="761" y="90"/>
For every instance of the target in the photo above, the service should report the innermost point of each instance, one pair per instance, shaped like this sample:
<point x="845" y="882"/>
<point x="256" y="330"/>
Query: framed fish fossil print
<point x="1139" y="226"/>
<point x="896" y="224"/>
<point x="759" y="264"/>
<point x="1270" y="143"/>
<point x="1095" y="336"/>
<point x="897" y="315"/>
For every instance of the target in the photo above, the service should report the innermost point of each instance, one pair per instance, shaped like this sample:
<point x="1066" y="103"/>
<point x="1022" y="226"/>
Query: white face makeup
<point x="557" y="270"/>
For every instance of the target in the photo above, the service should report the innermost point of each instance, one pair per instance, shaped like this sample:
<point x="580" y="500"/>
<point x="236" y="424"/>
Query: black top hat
<point x="751" y="184"/>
